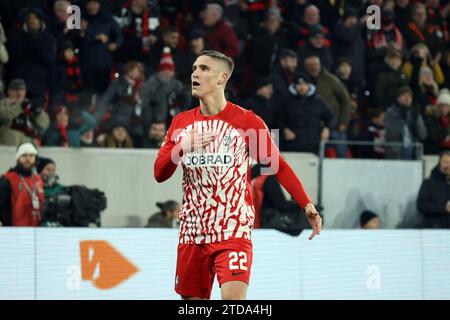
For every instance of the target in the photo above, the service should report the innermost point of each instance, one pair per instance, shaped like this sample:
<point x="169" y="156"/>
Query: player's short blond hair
<point x="227" y="61"/>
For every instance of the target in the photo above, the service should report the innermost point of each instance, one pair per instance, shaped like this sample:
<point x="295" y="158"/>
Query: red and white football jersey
<point x="217" y="203"/>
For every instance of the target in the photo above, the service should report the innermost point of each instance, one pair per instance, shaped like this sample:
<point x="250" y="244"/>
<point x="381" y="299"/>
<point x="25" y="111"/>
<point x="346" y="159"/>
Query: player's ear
<point x="223" y="78"/>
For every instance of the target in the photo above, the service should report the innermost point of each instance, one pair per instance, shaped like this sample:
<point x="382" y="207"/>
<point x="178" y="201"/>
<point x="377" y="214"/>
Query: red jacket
<point x="222" y="37"/>
<point x="22" y="212"/>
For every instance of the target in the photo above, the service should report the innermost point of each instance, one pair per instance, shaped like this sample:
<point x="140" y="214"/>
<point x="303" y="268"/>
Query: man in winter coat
<point x="434" y="195"/>
<point x="404" y="124"/>
<point x="301" y="116"/>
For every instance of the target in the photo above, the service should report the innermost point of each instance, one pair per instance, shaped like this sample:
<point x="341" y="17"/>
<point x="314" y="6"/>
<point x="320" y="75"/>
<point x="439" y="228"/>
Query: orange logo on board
<point x="113" y="268"/>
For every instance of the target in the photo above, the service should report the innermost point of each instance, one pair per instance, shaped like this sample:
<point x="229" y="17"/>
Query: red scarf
<point x="63" y="132"/>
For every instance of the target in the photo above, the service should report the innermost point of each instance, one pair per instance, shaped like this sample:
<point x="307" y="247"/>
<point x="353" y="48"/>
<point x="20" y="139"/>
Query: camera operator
<point x="22" y="191"/>
<point x="20" y="120"/>
<point x="57" y="209"/>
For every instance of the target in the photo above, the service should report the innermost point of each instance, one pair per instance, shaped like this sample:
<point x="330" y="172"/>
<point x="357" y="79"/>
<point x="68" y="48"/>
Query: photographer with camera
<point x="20" y="120"/>
<point x="22" y="191"/>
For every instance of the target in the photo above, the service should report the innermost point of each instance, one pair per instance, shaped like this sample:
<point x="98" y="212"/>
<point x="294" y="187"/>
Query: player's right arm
<point x="165" y="165"/>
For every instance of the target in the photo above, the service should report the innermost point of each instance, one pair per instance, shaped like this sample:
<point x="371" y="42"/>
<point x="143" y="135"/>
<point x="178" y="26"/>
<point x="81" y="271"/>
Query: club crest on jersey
<point x="209" y="159"/>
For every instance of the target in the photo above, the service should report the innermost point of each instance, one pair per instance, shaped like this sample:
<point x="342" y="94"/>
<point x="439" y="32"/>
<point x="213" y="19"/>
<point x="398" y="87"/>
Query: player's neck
<point x="213" y="104"/>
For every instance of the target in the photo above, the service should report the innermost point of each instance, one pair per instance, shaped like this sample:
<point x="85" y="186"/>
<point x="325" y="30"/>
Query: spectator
<point x="402" y="14"/>
<point x="300" y="30"/>
<point x="58" y="27"/>
<point x="261" y="101"/>
<point x="437" y="120"/>
<point x="445" y="66"/>
<point x="284" y="75"/>
<point x="426" y="91"/>
<point x="140" y="27"/>
<point x="87" y="139"/>
<point x="118" y="136"/>
<point x="20" y="119"/>
<point x="219" y="34"/>
<point x="65" y="131"/>
<point x="164" y="96"/>
<point x="255" y="11"/>
<point x="156" y="133"/>
<point x="434" y="195"/>
<point x="124" y="99"/>
<point x="390" y="78"/>
<point x="171" y="39"/>
<point x="22" y="191"/>
<point x="32" y="52"/>
<point x="295" y="12"/>
<point x="348" y="43"/>
<point x="317" y="45"/>
<point x="267" y="43"/>
<point x="437" y="14"/>
<point x="196" y="46"/>
<point x="69" y="86"/>
<point x="335" y="95"/>
<point x="344" y="72"/>
<point x="300" y="118"/>
<point x="4" y="57"/>
<point x="167" y="217"/>
<point x="102" y="36"/>
<point x="404" y="124"/>
<point x="420" y="31"/>
<point x="379" y="42"/>
<point x="420" y="57"/>
<point x="369" y="220"/>
<point x="374" y="132"/>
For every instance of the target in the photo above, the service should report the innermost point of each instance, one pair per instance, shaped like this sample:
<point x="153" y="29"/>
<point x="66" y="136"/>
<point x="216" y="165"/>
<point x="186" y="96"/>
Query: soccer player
<point x="214" y="143"/>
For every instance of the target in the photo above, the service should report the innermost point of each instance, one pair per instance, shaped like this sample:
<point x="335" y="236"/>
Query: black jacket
<point x="5" y="195"/>
<point x="304" y="115"/>
<point x="432" y="200"/>
<point x="263" y="108"/>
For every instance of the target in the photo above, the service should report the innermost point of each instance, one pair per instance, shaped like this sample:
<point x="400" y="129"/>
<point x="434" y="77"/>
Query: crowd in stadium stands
<point x="312" y="69"/>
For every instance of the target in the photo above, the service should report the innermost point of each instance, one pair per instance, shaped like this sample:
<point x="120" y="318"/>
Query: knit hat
<point x="42" y="163"/>
<point x="25" y="148"/>
<point x="366" y="216"/>
<point x="17" y="84"/>
<point x="402" y="90"/>
<point x="302" y="78"/>
<point x="444" y="97"/>
<point x="166" y="62"/>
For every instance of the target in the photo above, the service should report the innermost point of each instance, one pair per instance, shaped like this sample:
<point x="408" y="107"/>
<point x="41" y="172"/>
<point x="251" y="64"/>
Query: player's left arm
<point x="266" y="152"/>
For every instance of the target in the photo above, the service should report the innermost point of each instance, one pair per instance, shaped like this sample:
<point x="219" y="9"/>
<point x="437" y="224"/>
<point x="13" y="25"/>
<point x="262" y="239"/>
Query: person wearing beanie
<point x="369" y="220"/>
<point x="261" y="102"/>
<point x="404" y="124"/>
<point x="317" y="45"/>
<point x="46" y="168"/>
<point x="300" y="118"/>
<point x="437" y="121"/>
<point x="22" y="190"/>
<point x="164" y="95"/>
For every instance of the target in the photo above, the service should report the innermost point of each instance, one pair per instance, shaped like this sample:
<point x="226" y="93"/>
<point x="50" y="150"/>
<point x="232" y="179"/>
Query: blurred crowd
<point x="315" y="70"/>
